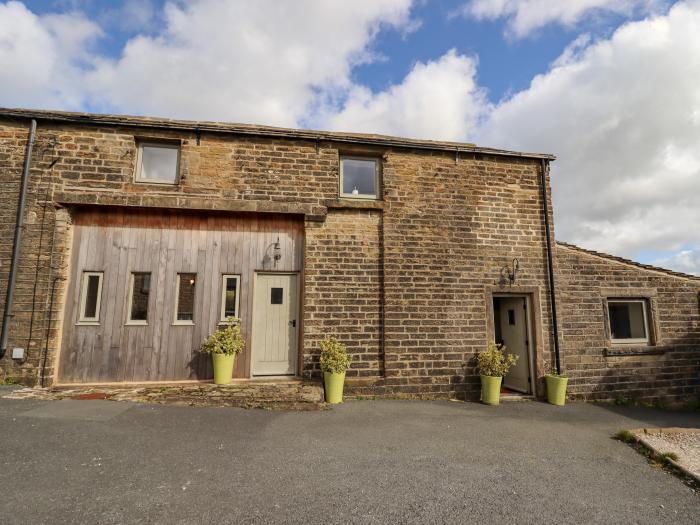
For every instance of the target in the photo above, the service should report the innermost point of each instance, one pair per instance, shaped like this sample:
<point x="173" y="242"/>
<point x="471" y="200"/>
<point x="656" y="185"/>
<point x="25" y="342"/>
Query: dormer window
<point x="359" y="178"/>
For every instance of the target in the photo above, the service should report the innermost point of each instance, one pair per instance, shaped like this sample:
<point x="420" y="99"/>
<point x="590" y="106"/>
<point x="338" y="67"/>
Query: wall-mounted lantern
<point x="276" y="251"/>
<point x="510" y="274"/>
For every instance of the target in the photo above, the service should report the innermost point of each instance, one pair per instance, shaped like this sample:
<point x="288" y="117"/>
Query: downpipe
<point x="544" y="165"/>
<point x="19" y="227"/>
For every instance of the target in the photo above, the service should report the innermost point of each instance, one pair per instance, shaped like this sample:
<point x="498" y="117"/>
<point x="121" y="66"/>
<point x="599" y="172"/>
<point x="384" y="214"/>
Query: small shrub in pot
<point x="493" y="363"/>
<point x="334" y="362"/>
<point x="223" y="345"/>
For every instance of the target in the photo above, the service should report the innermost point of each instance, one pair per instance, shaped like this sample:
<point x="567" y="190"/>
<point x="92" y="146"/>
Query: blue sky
<point x="612" y="87"/>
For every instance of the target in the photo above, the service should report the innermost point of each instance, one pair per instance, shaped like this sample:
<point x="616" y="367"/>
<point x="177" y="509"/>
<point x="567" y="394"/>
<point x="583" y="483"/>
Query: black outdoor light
<point x="510" y="274"/>
<point x="276" y="251"/>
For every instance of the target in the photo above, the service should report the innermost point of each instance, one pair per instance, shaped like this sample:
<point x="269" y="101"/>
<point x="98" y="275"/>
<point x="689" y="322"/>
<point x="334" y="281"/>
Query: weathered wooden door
<point x="275" y="324"/>
<point x="513" y="318"/>
<point x="148" y="287"/>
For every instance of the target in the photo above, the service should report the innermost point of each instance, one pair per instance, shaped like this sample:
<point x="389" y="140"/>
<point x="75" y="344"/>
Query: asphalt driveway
<point x="363" y="462"/>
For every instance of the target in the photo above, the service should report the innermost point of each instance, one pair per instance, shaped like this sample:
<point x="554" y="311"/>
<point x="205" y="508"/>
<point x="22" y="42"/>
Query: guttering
<point x="192" y="126"/>
<point x="544" y="166"/>
<point x="19" y="227"/>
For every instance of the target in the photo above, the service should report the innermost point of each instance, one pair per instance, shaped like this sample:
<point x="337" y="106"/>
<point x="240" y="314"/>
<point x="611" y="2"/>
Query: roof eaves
<point x="261" y="131"/>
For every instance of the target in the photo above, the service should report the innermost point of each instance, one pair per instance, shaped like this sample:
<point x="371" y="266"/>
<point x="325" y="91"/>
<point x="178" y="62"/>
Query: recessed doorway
<point x="511" y="323"/>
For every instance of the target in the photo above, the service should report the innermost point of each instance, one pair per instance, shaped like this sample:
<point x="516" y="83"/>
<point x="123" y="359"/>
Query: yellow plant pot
<point x="334" y="387"/>
<point x="223" y="368"/>
<point x="556" y="389"/>
<point x="491" y="390"/>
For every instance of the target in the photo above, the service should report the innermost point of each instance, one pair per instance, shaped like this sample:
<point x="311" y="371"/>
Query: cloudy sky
<point x="612" y="87"/>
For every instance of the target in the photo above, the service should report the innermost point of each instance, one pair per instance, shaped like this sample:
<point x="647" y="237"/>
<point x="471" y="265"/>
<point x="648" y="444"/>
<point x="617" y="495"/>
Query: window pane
<point x="627" y="320"/>
<point x="185" y="296"/>
<point x="159" y="163"/>
<point x="359" y="176"/>
<point x="139" y="296"/>
<point x="276" y="296"/>
<point x="230" y="291"/>
<point x="636" y="314"/>
<point x="91" y="298"/>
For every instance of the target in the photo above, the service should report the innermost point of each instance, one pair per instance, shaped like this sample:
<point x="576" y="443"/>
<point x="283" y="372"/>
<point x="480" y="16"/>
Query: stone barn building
<point x="127" y="240"/>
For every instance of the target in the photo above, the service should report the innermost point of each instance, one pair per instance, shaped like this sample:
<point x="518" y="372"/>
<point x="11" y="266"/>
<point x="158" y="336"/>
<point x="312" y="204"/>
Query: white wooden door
<point x="275" y="325"/>
<point x="513" y="318"/>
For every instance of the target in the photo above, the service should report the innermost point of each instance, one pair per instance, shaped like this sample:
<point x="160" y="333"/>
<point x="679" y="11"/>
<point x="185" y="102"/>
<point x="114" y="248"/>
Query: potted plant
<point x="493" y="364"/>
<point x="556" y="387"/>
<point x="223" y="345"/>
<point x="334" y="362"/>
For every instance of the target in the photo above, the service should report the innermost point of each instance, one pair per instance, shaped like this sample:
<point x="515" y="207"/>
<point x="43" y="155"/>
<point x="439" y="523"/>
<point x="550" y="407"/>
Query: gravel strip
<point x="685" y="443"/>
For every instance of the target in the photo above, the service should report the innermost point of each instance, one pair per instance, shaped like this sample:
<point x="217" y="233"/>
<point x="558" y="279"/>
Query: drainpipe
<point x="19" y="226"/>
<point x="544" y="165"/>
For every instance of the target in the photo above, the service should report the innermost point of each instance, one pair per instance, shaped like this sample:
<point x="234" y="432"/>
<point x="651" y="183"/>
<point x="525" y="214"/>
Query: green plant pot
<point x="223" y="368"/>
<point x="334" y="386"/>
<point x="491" y="390"/>
<point x="556" y="389"/>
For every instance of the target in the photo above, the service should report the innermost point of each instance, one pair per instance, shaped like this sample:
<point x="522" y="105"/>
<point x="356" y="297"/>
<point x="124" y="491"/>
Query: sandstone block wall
<point x="405" y="281"/>
<point x="668" y="370"/>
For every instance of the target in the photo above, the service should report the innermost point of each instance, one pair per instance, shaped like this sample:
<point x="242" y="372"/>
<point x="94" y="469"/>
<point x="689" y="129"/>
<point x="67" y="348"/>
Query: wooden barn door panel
<point x="164" y="243"/>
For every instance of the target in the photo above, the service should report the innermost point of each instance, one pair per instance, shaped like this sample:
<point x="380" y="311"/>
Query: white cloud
<point x="623" y="117"/>
<point x="687" y="261"/>
<point x="437" y="100"/>
<point x="526" y="16"/>
<point x="622" y="114"/>
<point x="41" y="57"/>
<point x="262" y="61"/>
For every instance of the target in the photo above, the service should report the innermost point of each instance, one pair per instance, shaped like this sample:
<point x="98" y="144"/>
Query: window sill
<point x="136" y="323"/>
<point x="356" y="203"/>
<point x="183" y="323"/>
<point x="87" y="323"/>
<point x="157" y="182"/>
<point x="632" y="349"/>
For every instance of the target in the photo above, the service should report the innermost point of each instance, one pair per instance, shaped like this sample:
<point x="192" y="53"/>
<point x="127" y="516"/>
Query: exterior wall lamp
<point x="276" y="251"/>
<point x="510" y="274"/>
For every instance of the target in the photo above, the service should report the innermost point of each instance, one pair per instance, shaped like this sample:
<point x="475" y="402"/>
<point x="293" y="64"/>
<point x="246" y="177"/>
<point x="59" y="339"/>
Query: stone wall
<point x="668" y="370"/>
<point x="450" y="224"/>
<point x="343" y="293"/>
<point x="433" y="247"/>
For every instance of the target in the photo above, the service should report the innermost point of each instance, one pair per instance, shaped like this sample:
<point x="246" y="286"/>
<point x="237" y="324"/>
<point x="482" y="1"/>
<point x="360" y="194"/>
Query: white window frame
<point x="83" y="299"/>
<point x="222" y="313"/>
<point x="183" y="322"/>
<point x="647" y="339"/>
<point x="136" y="322"/>
<point x="139" y="163"/>
<point x="377" y="179"/>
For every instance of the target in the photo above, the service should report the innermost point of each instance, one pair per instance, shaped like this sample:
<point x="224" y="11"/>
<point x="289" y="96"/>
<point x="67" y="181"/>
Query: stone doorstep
<point x="639" y="435"/>
<point x="269" y="394"/>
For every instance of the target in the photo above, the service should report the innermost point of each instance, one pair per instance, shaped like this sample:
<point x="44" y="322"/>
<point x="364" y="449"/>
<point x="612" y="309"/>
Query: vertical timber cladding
<point x="165" y="242"/>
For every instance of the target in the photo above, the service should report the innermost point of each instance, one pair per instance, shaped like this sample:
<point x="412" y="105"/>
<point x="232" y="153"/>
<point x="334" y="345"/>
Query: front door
<point x="275" y="324"/>
<point x="512" y="315"/>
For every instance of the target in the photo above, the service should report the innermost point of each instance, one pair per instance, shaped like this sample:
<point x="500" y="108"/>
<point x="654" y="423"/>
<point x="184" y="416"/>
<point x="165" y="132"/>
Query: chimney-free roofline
<point x="260" y="131"/>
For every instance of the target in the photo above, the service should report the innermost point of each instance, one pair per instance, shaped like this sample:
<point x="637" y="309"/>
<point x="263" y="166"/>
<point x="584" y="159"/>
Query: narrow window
<point x="157" y="163"/>
<point x="359" y="178"/>
<point x="184" y="306"/>
<point x="90" y="297"/>
<point x="628" y="320"/>
<point x="140" y="292"/>
<point x="229" y="296"/>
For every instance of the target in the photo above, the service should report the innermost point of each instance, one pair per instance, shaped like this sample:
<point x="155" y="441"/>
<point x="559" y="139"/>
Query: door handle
<point x="293" y="323"/>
